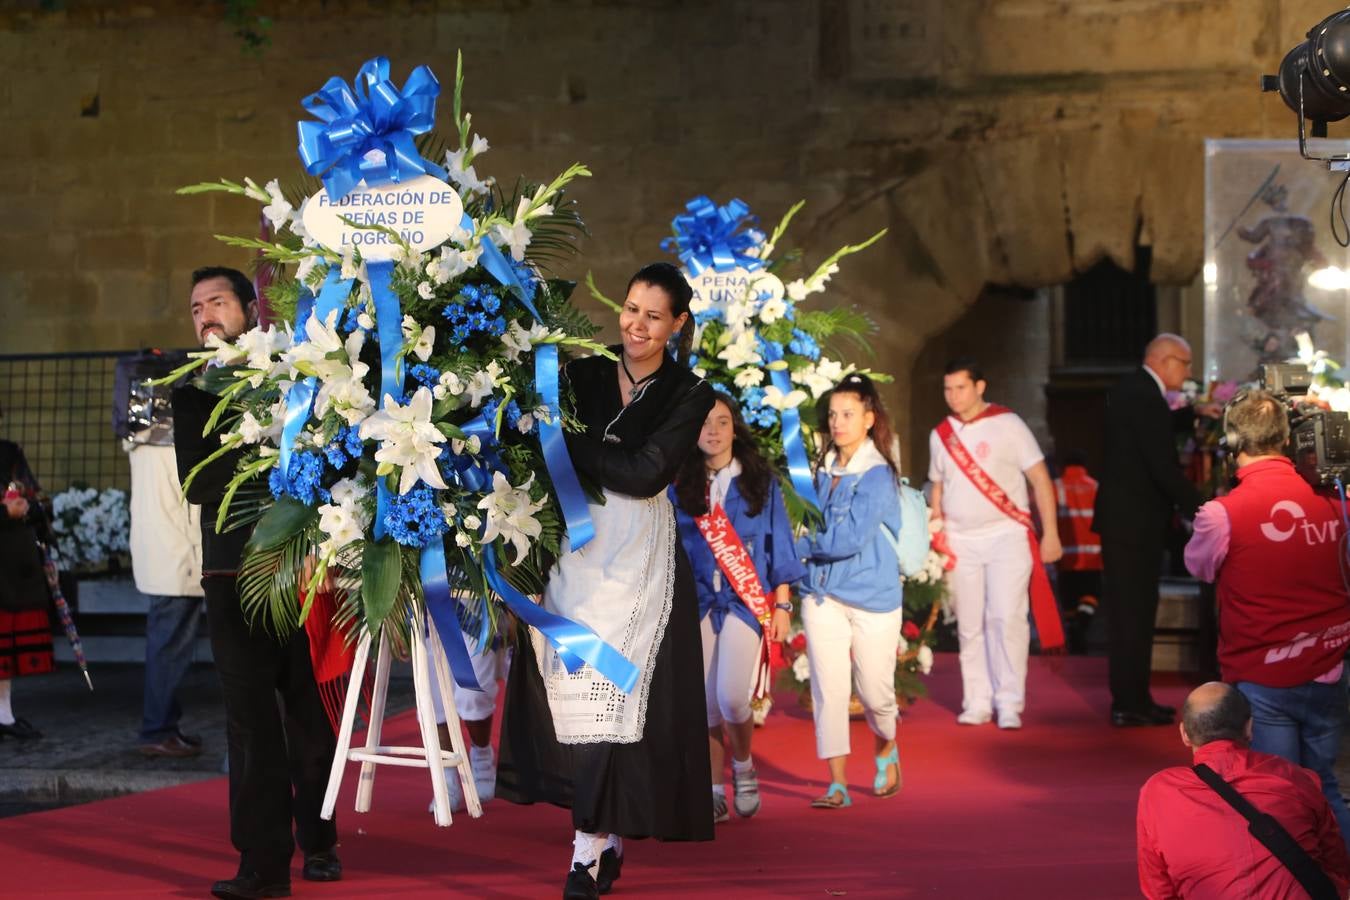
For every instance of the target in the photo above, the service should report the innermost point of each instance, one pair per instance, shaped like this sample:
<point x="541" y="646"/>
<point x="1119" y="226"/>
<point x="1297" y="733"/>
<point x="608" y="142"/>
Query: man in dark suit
<point x="1142" y="484"/>
<point x="279" y="761"/>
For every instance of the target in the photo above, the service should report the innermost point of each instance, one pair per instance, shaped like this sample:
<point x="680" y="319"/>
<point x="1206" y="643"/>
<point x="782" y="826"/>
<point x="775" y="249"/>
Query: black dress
<point x="25" y="629"/>
<point x="660" y="785"/>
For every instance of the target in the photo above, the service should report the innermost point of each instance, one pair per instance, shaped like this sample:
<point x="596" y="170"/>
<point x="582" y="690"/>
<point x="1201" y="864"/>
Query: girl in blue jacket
<point x="729" y="472"/>
<point x="851" y="602"/>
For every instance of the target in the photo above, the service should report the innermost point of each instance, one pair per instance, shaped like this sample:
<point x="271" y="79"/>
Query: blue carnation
<point x="415" y="519"/>
<point x="804" y="344"/>
<point x="301" y="480"/>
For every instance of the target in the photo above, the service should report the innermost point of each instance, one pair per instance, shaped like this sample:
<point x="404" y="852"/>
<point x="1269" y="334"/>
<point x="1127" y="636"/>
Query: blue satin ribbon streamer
<point x="389" y="333"/>
<point x="576" y="644"/>
<point x="500" y="268"/>
<point x="371" y="114"/>
<point x="300" y="398"/>
<point x="706" y="237"/>
<point x="799" y="468"/>
<point x="441" y="608"/>
<point x="576" y="513"/>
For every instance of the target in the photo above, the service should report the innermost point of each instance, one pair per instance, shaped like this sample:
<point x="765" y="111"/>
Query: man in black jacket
<point x="1141" y="486"/>
<point x="279" y="762"/>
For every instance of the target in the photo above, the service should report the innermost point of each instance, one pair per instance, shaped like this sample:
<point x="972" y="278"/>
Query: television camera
<point x="1319" y="438"/>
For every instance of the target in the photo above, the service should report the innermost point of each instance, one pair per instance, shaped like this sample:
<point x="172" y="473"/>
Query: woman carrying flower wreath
<point x="630" y="765"/>
<point x="736" y="530"/>
<point x="851" y="595"/>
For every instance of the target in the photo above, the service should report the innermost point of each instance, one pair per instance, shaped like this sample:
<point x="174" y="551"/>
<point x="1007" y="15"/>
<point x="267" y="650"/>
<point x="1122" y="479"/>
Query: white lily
<point x="510" y="514"/>
<point x="778" y="400"/>
<point x="310" y="356"/>
<point x="742" y="352"/>
<point x="407" y="439"/>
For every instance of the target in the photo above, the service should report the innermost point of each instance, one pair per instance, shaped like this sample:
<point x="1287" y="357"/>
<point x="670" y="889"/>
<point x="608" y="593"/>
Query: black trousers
<point x="281" y="744"/>
<point x="1132" y="571"/>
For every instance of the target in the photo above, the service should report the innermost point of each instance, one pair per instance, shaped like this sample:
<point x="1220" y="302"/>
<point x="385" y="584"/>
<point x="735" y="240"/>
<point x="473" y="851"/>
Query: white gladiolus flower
<point x="262" y="344"/>
<point x="365" y="321"/>
<point x="350" y="269"/>
<point x="249" y="429"/>
<point x="472" y="522"/>
<point x="462" y="540"/>
<point x="516" y="236"/>
<point x="464" y="177"/>
<point x="510" y="514"/>
<point x="796" y="290"/>
<point x="342" y="525"/>
<point x="925" y="659"/>
<point x="347" y="491"/>
<point x="425" y="342"/>
<point x="700" y="372"/>
<point x="305" y="268"/>
<point x="278" y="212"/>
<point x="407" y="439"/>
<point x="738" y="314"/>
<point x="518" y="340"/>
<point x="478" y="146"/>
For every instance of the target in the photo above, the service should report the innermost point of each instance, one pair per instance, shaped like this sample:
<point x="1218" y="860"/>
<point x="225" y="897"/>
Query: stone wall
<point x="1000" y="141"/>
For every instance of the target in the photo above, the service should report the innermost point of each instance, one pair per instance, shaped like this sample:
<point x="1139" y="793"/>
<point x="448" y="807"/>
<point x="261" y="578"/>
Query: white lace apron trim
<point x="621" y="586"/>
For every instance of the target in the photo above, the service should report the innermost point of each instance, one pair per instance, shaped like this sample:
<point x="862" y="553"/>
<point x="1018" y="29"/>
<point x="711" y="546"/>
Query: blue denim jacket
<point x="767" y="538"/>
<point x="848" y="557"/>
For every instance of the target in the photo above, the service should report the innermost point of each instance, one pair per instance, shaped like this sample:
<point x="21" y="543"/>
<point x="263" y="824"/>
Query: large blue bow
<point x="706" y="237"/>
<point x="371" y="114"/>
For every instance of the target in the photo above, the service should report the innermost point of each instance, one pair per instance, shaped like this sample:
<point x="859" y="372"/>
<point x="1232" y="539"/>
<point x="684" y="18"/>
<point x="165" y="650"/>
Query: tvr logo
<point x="1287" y="517"/>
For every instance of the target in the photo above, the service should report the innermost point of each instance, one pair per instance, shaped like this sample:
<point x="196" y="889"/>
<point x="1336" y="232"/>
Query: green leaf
<point x="287" y="518"/>
<point x="380" y="574"/>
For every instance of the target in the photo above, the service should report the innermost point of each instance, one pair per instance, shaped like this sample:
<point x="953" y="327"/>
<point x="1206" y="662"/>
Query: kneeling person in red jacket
<point x="1193" y="844"/>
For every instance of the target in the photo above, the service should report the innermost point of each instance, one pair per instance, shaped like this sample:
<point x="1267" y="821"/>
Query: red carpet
<point x="1045" y="812"/>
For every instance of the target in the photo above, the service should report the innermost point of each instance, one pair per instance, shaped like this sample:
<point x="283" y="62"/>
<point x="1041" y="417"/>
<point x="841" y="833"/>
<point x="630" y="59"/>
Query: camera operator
<point x="1273" y="548"/>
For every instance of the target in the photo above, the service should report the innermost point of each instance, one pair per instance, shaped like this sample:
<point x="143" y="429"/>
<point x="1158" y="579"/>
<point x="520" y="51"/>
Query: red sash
<point x="1042" y="596"/>
<point x="739" y="570"/>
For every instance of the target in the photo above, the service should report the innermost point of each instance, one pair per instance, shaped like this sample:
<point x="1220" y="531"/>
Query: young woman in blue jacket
<point x="729" y="472"/>
<point x="851" y="600"/>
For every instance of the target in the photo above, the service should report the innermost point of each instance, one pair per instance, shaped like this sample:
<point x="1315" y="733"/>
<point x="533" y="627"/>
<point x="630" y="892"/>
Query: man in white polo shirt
<point x="980" y="460"/>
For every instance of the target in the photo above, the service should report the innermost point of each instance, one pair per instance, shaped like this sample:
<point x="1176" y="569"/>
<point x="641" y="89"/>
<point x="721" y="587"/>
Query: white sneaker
<point x="455" y="792"/>
<point x="975" y="717"/>
<point x="1009" y="720"/>
<point x="720" y="812"/>
<point x="484" y="773"/>
<point x="746" y="799"/>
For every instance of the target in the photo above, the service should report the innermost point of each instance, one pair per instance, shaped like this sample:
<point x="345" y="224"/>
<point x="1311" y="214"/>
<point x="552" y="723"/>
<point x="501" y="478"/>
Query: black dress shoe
<point x="1128" y="718"/>
<point x="21" y="729"/>
<point x="249" y="887"/>
<point x="611" y="863"/>
<point x="580" y="885"/>
<point x="322" y="866"/>
<point x="1158" y="709"/>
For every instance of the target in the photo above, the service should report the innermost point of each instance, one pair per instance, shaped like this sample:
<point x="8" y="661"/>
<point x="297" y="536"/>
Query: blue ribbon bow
<point x="707" y="236"/>
<point x="371" y="114"/>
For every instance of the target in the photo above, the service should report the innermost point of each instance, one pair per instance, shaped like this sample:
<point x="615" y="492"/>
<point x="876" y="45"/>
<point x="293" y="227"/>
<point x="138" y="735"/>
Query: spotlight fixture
<point x="1314" y="81"/>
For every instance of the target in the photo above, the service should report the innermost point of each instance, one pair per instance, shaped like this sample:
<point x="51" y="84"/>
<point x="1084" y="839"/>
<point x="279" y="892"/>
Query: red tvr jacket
<point x="1284" y="612"/>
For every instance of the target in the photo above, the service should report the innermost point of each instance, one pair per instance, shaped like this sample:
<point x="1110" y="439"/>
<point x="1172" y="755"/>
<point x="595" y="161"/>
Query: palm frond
<point x="269" y="583"/>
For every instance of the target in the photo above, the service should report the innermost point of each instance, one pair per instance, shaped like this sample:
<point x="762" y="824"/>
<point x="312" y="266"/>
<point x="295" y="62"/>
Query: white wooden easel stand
<point x="373" y="753"/>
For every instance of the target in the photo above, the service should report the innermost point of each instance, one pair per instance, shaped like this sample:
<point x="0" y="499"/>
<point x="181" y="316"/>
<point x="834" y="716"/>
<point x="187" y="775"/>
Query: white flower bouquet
<point x="754" y="341"/>
<point x="92" y="527"/>
<point x="401" y="434"/>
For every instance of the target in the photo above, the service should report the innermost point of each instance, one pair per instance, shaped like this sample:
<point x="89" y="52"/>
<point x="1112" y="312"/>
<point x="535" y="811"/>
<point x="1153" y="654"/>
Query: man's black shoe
<point x="580" y="885"/>
<point x="1125" y="718"/>
<point x="611" y="863"/>
<point x="250" y="887"/>
<point x="322" y="866"/>
<point x="1158" y="709"/>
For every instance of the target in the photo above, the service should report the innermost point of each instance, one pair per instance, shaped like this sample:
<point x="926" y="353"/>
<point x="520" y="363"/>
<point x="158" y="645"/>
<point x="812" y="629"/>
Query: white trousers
<point x="834" y="631"/>
<point x="471" y="705"/>
<point x="989" y="594"/>
<point x="730" y="661"/>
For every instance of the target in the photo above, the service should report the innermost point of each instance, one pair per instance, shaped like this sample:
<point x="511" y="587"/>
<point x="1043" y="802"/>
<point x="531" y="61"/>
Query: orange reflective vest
<point x="1076" y="494"/>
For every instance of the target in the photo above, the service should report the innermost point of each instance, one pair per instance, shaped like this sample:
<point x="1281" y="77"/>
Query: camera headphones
<point x="1231" y="439"/>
